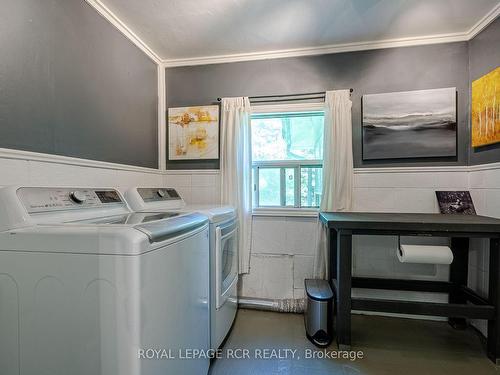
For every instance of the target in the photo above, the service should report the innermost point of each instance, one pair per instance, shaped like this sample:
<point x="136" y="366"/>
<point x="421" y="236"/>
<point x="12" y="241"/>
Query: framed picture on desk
<point x="455" y="202"/>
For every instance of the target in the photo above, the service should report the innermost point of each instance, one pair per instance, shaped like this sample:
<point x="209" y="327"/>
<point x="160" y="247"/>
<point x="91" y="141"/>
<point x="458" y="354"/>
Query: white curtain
<point x="337" y="168"/>
<point x="236" y="169"/>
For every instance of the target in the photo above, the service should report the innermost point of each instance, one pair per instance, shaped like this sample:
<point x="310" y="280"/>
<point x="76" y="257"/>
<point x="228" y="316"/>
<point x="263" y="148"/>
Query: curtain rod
<point x="286" y="98"/>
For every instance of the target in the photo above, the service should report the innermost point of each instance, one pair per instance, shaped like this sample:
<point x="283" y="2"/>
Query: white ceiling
<point x="180" y="29"/>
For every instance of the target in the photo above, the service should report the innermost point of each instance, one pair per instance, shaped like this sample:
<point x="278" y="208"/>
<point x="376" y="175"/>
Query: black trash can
<point x="318" y="315"/>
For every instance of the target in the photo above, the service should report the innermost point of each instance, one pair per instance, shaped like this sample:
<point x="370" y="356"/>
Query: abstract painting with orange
<point x="193" y="133"/>
<point x="486" y="109"/>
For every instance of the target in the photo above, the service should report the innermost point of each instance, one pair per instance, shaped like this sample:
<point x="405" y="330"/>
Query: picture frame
<point x="485" y="113"/>
<point x="455" y="202"/>
<point x="410" y="124"/>
<point x="193" y="132"/>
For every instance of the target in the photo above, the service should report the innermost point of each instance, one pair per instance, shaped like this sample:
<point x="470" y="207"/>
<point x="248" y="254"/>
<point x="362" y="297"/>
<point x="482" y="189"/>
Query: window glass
<point x="287" y="157"/>
<point x="311" y="179"/>
<point x="287" y="136"/>
<point x="289" y="186"/>
<point x="269" y="187"/>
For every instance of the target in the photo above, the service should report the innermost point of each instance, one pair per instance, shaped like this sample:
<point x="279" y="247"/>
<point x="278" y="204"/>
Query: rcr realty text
<point x="263" y="353"/>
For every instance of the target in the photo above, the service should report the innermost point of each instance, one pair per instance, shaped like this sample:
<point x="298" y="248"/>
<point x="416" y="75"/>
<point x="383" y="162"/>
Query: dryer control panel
<point x="54" y="199"/>
<point x="158" y="194"/>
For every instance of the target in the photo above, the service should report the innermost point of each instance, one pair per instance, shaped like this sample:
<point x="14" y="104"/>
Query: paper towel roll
<point x="425" y="254"/>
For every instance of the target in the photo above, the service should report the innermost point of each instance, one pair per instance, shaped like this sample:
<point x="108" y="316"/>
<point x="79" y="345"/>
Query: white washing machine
<point x="87" y="287"/>
<point x="223" y="251"/>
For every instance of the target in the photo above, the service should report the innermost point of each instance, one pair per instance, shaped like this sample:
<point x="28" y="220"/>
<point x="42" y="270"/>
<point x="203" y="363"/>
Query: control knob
<point x="77" y="197"/>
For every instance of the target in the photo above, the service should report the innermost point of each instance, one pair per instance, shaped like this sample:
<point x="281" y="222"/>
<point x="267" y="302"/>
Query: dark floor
<point x="390" y="345"/>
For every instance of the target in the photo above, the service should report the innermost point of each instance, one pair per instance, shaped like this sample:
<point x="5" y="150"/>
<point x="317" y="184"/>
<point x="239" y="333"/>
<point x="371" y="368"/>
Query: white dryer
<point x="87" y="287"/>
<point x="223" y="251"/>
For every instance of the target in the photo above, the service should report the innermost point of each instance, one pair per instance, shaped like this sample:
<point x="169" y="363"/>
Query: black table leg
<point x="494" y="298"/>
<point x="344" y="276"/>
<point x="458" y="276"/>
<point x="332" y="269"/>
<point x="332" y="260"/>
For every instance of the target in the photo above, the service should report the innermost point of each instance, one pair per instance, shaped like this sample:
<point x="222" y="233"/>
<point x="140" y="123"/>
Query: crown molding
<point x="484" y="22"/>
<point x="313" y="51"/>
<point x="105" y="12"/>
<point x="338" y="48"/>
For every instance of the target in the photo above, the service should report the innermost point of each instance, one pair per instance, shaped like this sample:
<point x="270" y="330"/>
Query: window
<point x="287" y="157"/>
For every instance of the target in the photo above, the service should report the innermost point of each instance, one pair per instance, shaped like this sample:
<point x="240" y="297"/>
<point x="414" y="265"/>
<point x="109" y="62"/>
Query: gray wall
<point x="71" y="84"/>
<point x="484" y="56"/>
<point x="367" y="72"/>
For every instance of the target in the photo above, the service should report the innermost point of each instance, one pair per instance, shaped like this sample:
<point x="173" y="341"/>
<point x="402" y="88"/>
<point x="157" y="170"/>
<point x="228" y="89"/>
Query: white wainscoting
<point x="484" y="185"/>
<point x="34" y="169"/>
<point x="196" y="186"/>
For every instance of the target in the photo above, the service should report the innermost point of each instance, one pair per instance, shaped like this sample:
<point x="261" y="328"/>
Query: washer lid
<point x="158" y="226"/>
<point x="127" y="219"/>
<point x="102" y="239"/>
<point x="160" y="231"/>
<point x="215" y="214"/>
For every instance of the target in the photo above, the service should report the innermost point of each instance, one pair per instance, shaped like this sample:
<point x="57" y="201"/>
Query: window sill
<point x="284" y="211"/>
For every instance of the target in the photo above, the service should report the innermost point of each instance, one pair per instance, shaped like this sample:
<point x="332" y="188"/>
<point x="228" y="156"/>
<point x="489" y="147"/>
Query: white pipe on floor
<point x="288" y="305"/>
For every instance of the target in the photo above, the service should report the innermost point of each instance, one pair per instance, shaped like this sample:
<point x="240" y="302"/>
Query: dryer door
<point x="226" y="265"/>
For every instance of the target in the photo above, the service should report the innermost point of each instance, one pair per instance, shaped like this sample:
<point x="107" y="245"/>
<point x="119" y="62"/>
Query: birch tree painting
<point x="486" y="109"/>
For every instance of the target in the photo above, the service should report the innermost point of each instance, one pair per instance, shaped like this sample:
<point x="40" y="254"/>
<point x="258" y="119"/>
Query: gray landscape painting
<point x="410" y="124"/>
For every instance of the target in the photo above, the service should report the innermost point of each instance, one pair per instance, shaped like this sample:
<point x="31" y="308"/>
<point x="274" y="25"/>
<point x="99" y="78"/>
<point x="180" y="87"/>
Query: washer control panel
<point x="78" y="196"/>
<point x="54" y="199"/>
<point x="158" y="194"/>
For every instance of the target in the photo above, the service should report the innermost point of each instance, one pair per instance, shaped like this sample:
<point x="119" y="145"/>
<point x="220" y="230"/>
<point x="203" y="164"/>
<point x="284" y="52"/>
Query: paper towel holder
<point x="401" y="253"/>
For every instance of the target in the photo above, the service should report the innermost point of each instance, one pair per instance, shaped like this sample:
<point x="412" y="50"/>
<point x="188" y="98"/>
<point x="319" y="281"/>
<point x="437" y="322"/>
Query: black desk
<point x="463" y="302"/>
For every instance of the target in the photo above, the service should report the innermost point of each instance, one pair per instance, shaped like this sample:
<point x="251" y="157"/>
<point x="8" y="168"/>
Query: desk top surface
<point x="410" y="222"/>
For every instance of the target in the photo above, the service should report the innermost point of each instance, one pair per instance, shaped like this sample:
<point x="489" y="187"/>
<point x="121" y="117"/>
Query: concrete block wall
<point x="282" y="257"/>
